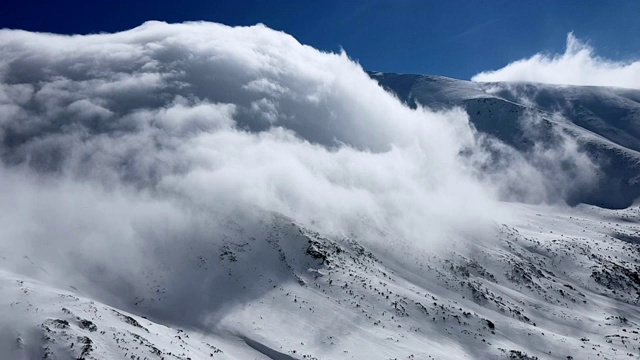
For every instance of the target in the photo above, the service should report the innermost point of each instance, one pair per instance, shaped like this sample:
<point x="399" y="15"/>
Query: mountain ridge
<point x="605" y="121"/>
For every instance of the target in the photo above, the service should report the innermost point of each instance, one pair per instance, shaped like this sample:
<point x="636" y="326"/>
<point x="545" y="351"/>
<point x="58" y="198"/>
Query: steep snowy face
<point x="568" y="125"/>
<point x="557" y="283"/>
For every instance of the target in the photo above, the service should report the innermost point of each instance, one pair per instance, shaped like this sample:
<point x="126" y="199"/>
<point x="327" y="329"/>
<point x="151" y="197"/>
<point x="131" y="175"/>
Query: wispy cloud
<point x="578" y="65"/>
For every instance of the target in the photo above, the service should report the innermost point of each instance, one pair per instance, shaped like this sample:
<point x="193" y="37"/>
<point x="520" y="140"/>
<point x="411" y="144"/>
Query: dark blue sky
<point x="453" y="38"/>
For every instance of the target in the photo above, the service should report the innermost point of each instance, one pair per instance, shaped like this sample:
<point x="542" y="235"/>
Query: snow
<point x="604" y="122"/>
<point x="559" y="282"/>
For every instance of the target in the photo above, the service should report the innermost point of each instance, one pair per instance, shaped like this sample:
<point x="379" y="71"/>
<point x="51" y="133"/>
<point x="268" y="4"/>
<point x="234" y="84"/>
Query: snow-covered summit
<point x="604" y="121"/>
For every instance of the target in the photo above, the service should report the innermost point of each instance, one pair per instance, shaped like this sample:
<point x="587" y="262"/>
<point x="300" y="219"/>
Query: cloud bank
<point x="222" y="115"/>
<point x="124" y="151"/>
<point x="579" y="65"/>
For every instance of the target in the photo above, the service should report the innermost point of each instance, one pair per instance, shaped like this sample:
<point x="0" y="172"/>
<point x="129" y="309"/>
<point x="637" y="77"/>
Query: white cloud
<point x="579" y="65"/>
<point x="120" y="146"/>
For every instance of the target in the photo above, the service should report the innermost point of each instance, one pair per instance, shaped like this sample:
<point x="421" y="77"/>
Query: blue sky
<point x="452" y="38"/>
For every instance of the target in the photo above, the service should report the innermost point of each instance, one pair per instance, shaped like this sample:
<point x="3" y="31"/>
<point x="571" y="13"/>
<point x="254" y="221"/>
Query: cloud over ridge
<point x="117" y="145"/>
<point x="578" y="65"/>
<point x="215" y="118"/>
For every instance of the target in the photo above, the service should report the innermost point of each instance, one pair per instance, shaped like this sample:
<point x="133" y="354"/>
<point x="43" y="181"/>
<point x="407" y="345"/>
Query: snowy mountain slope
<point x="202" y="191"/>
<point x="557" y="283"/>
<point x="604" y="121"/>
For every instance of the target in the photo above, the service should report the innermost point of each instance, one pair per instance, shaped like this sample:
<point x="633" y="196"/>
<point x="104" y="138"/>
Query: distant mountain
<point x="604" y="121"/>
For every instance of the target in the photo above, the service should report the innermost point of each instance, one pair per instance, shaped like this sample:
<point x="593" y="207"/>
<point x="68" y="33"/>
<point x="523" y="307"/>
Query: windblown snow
<point x="198" y="191"/>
